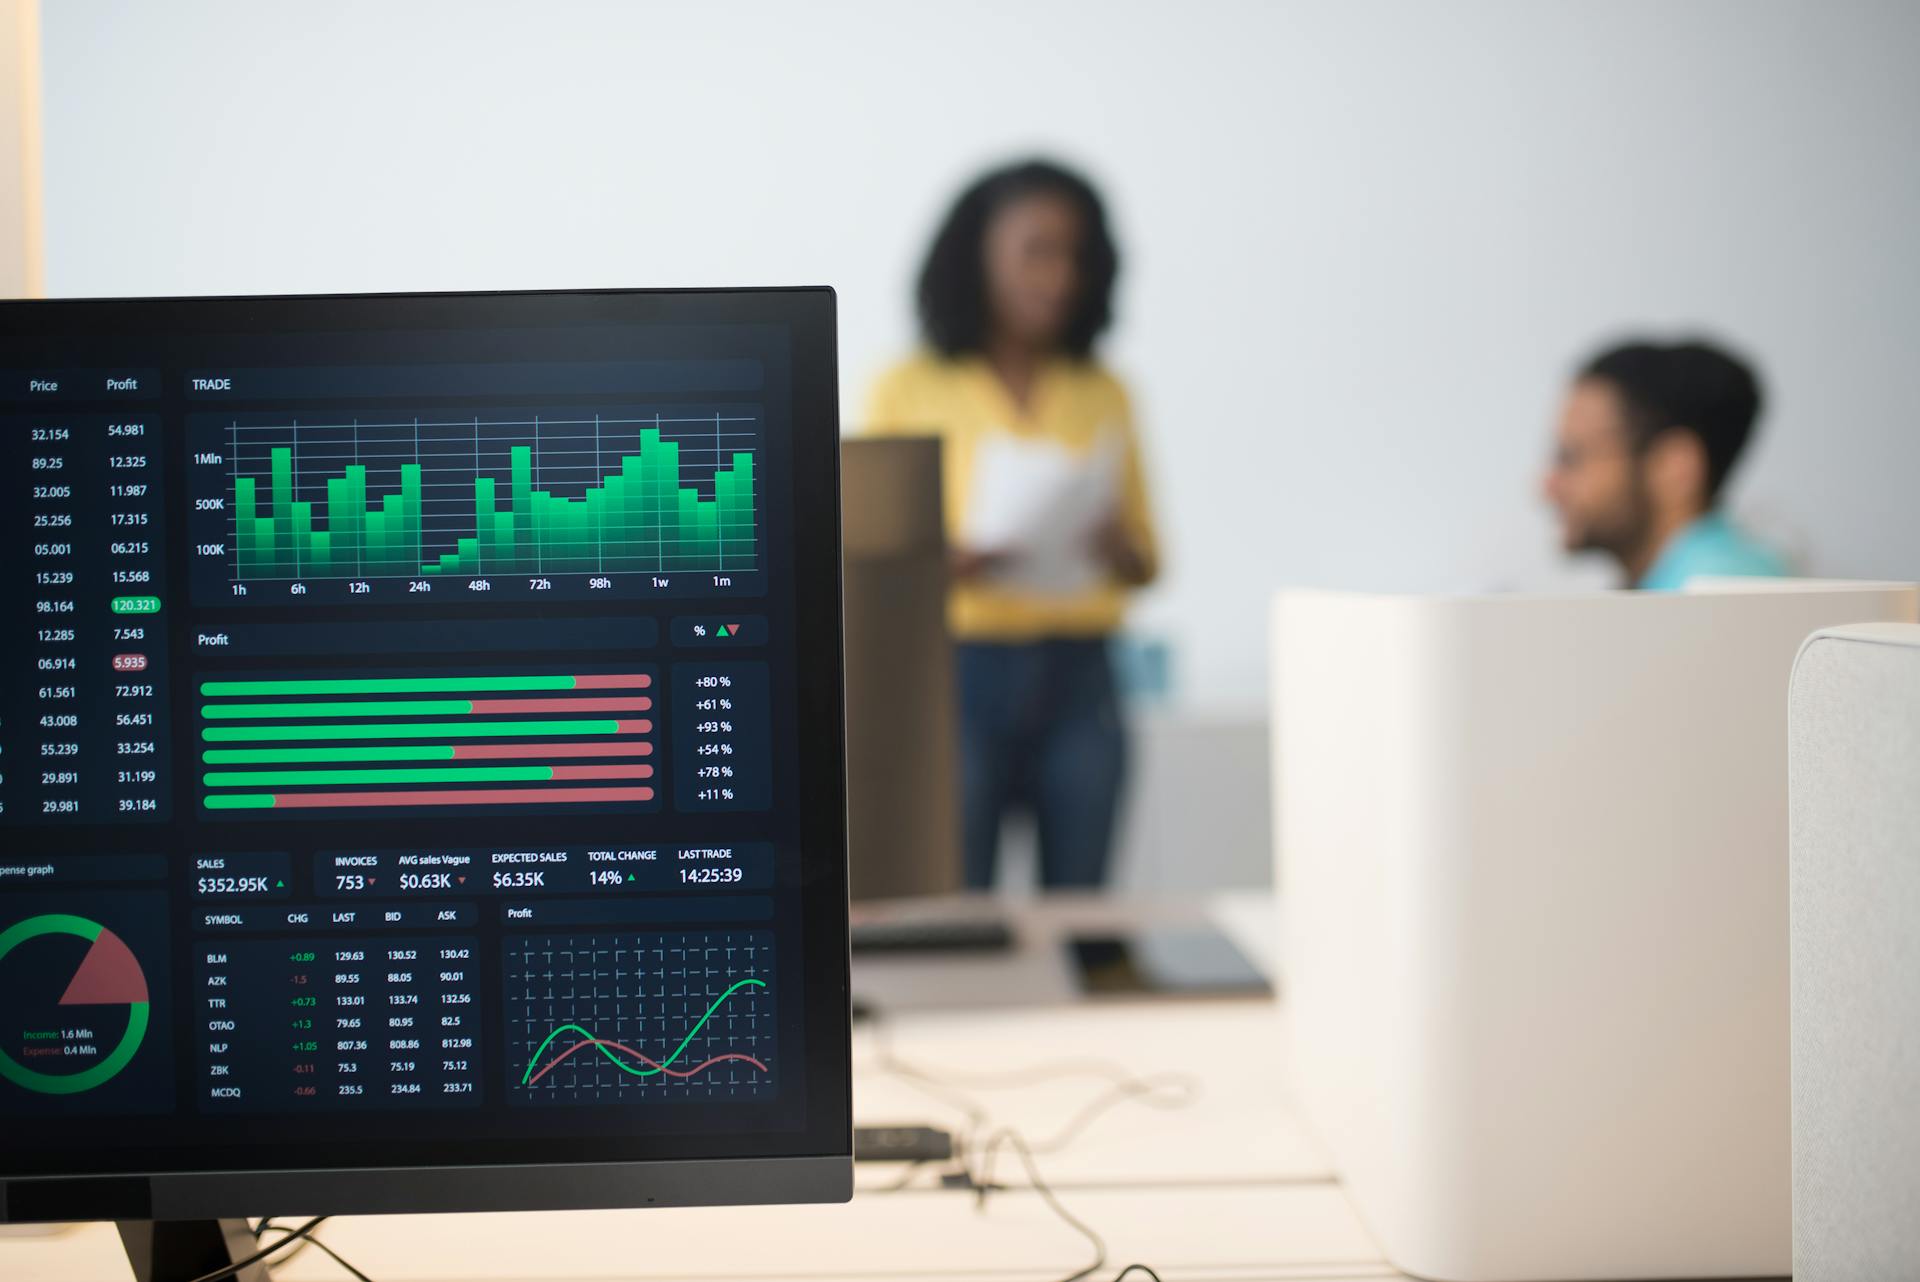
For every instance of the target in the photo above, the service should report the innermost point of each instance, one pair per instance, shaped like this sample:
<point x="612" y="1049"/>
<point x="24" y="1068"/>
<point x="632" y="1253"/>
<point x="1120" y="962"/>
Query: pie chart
<point x="76" y="1004"/>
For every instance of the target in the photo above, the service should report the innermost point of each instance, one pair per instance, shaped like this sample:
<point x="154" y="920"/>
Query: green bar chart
<point x="441" y="498"/>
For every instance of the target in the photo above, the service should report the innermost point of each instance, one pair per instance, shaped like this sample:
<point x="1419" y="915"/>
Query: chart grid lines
<point x="615" y="1017"/>
<point x="601" y="494"/>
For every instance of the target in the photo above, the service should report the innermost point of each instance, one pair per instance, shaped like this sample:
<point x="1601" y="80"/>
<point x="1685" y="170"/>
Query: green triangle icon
<point x="629" y="876"/>
<point x="279" y="885"/>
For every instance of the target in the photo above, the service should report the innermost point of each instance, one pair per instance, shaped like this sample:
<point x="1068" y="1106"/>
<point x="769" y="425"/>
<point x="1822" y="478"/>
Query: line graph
<point x="652" y="1066"/>
<point x="607" y="1018"/>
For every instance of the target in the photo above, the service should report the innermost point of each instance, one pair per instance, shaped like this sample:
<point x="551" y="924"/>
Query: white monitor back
<point x="1532" y="874"/>
<point x="1854" y="805"/>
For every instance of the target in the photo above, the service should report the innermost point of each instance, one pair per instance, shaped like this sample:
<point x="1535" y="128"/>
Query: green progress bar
<point x="294" y="756"/>
<point x="241" y="801"/>
<point x="418" y="730"/>
<point x="422" y="774"/>
<point x="385" y="685"/>
<point x="345" y="708"/>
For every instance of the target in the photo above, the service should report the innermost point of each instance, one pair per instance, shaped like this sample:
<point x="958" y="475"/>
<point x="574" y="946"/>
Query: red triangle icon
<point x="109" y="975"/>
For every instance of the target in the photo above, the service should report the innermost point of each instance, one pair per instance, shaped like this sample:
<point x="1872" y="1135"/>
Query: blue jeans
<point x="1040" y="730"/>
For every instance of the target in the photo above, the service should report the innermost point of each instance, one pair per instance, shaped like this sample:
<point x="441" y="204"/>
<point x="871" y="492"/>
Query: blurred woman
<point x="1015" y="292"/>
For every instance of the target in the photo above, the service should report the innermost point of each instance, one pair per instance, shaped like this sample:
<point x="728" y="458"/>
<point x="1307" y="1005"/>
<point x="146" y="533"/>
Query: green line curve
<point x="621" y="1064"/>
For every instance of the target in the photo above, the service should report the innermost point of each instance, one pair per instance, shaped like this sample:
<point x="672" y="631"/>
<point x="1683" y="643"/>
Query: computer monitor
<point x="903" y="826"/>
<point x="421" y="754"/>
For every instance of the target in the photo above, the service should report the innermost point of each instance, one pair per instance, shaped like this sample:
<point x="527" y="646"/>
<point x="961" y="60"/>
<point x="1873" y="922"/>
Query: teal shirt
<point x="1712" y="545"/>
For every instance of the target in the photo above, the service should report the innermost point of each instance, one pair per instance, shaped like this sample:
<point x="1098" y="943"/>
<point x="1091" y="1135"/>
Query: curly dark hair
<point x="1690" y="386"/>
<point x="952" y="292"/>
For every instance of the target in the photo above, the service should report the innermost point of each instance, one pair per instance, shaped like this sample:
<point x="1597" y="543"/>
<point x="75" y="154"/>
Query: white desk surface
<point x="1227" y="1187"/>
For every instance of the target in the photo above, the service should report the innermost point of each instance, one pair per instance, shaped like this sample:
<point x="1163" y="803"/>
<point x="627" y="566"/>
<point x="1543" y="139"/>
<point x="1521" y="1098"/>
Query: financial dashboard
<point x="412" y="732"/>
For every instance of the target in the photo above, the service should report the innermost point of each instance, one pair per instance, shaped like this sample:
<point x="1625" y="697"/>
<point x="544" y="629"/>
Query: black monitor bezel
<point x="809" y="1164"/>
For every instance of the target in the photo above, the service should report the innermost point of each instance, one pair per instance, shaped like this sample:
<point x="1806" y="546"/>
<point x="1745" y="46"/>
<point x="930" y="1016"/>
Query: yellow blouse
<point x="1075" y="404"/>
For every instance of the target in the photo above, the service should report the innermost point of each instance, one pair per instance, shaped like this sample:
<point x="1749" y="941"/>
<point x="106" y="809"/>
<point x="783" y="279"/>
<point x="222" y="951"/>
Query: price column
<point x="82" y="709"/>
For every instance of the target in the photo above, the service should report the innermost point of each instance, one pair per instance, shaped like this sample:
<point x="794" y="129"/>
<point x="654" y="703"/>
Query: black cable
<point x="340" y="1260"/>
<point x="267" y="1225"/>
<point x="977" y="1115"/>
<point x="312" y="1239"/>
<point x="1003" y="1078"/>
<point x="947" y="1087"/>
<point x="293" y="1235"/>
<point x="906" y="1177"/>
<point x="1144" y="1090"/>
<point x="1012" y="1139"/>
<point x="1124" y="1086"/>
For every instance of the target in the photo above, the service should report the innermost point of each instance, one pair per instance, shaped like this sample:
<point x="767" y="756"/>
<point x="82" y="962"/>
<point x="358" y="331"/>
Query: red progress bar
<point x="602" y="772"/>
<point x="517" y="751"/>
<point x="603" y="681"/>
<point x="633" y="727"/>
<point x="638" y="703"/>
<point x="456" y="797"/>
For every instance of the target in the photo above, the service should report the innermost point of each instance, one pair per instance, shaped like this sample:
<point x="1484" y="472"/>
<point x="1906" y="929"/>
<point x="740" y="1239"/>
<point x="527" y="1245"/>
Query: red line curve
<point x="648" y="1060"/>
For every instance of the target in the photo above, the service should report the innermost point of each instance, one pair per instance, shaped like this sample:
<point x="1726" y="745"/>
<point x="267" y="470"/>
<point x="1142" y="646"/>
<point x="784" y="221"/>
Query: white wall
<point x="21" y="261"/>
<point x="1364" y="240"/>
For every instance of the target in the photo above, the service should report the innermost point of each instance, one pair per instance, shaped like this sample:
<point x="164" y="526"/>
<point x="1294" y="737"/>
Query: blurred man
<point x="1645" y="442"/>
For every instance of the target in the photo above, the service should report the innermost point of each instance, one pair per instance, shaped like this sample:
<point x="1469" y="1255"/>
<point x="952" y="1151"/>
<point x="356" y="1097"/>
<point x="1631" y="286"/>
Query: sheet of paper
<point x="1039" y="503"/>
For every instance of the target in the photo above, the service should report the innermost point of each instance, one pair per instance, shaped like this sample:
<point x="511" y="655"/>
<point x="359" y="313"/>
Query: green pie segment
<point x="109" y="975"/>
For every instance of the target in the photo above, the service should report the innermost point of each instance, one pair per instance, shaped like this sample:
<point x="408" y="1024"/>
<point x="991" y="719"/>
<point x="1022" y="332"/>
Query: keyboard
<point x="934" y="935"/>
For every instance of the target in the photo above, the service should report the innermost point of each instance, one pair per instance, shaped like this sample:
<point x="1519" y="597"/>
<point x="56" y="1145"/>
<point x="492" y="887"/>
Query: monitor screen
<point x="420" y="747"/>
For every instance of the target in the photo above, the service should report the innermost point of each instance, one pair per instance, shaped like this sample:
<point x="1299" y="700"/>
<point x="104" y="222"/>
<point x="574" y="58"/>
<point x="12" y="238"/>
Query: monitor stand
<point x="180" y="1250"/>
